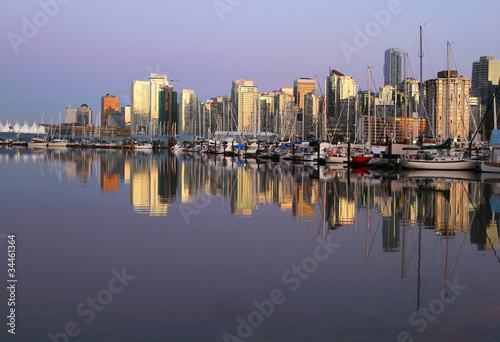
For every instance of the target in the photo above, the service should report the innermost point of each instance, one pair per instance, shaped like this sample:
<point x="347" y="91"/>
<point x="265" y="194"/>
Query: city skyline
<point x="52" y="57"/>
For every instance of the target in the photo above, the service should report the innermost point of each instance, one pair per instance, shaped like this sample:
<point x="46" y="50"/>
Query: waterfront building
<point x="125" y="111"/>
<point x="245" y="103"/>
<point x="485" y="78"/>
<point x="392" y="66"/>
<point x="145" y="97"/>
<point x="341" y="97"/>
<point x="310" y="121"/>
<point x="189" y="121"/>
<point x="301" y="87"/>
<point x="80" y="116"/>
<point x="447" y="106"/>
<point x="267" y="113"/>
<point x="284" y="112"/>
<point x="110" y="104"/>
<point x="168" y="111"/>
<point x="140" y="108"/>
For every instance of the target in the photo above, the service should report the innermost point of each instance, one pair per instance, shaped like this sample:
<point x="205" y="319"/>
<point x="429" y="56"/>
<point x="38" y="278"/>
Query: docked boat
<point x="20" y="143"/>
<point x="58" y="143"/>
<point x="143" y="145"/>
<point x="493" y="165"/>
<point x="38" y="143"/>
<point x="427" y="161"/>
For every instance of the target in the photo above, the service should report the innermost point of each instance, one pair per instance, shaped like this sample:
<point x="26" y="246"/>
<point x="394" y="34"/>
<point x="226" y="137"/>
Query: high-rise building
<point x="485" y="78"/>
<point x="81" y="116"/>
<point x="245" y="101"/>
<point x="141" y="107"/>
<point x="189" y="122"/>
<point x="341" y="92"/>
<point x="392" y="67"/>
<point x="158" y="83"/>
<point x="447" y="106"/>
<point x="145" y="97"/>
<point x="283" y="104"/>
<point x="301" y="87"/>
<point x="267" y="113"/>
<point x="168" y="114"/>
<point x="125" y="111"/>
<point x="110" y="104"/>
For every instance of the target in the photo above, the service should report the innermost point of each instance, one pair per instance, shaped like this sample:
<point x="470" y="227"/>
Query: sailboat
<point x="58" y="142"/>
<point x="444" y="158"/>
<point x="39" y="142"/>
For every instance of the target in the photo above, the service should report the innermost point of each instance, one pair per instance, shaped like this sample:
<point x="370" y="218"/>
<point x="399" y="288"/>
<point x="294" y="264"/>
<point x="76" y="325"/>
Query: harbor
<point x="399" y="239"/>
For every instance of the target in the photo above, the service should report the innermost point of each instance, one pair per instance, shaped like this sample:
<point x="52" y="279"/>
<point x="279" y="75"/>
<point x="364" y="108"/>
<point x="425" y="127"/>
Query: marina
<point x="356" y="253"/>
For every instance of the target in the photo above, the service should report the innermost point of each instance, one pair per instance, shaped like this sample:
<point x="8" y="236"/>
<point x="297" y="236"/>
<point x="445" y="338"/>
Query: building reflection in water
<point x="335" y="197"/>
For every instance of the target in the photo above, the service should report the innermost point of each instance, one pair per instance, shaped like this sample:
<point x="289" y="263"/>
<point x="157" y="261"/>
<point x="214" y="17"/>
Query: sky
<point x="55" y="53"/>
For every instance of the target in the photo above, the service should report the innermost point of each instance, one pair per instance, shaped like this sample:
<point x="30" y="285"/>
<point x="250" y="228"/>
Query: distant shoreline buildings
<point x="451" y="106"/>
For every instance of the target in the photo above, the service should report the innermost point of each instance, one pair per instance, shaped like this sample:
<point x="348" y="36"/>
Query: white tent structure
<point x="1" y="126"/>
<point x="25" y="128"/>
<point x="7" y="127"/>
<point x="34" y="128"/>
<point x="16" y="127"/>
<point x="41" y="130"/>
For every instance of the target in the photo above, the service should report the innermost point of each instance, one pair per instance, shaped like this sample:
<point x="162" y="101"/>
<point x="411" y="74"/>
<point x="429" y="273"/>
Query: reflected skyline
<point x="158" y="184"/>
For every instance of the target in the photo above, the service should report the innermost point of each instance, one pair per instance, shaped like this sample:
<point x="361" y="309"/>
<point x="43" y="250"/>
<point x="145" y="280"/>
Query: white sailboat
<point x="440" y="159"/>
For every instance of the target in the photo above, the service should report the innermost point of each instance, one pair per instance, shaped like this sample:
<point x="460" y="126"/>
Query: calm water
<point x="114" y="246"/>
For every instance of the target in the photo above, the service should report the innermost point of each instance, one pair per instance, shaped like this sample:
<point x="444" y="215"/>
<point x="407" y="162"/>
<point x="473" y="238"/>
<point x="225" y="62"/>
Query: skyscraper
<point x="110" y="104"/>
<point x="245" y="100"/>
<point x="145" y="97"/>
<point x="301" y="87"/>
<point x="485" y="77"/>
<point x="189" y="123"/>
<point x="447" y="104"/>
<point x="141" y="107"/>
<point x="392" y="67"/>
<point x="168" y="111"/>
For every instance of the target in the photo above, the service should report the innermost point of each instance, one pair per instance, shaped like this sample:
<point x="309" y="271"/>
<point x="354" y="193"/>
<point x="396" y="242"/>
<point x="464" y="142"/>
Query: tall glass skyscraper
<point x="145" y="103"/>
<point x="392" y="67"/>
<point x="485" y="77"/>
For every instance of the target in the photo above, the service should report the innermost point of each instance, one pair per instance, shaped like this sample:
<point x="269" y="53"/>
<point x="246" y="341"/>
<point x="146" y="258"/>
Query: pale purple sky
<point x="56" y="53"/>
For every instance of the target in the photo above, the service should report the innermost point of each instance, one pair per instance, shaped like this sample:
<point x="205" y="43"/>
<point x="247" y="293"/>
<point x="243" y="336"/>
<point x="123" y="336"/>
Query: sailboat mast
<point x="495" y="125"/>
<point x="421" y="90"/>
<point x="405" y="115"/>
<point x="448" y="107"/>
<point x="369" y="119"/>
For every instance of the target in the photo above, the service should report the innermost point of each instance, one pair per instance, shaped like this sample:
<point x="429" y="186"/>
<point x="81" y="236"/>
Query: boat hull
<point x="490" y="167"/>
<point x="439" y="164"/>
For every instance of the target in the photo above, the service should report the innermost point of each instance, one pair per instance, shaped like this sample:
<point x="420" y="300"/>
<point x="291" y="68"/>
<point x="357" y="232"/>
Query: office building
<point x="168" y="113"/>
<point x="145" y="106"/>
<point x="245" y="102"/>
<point x="392" y="67"/>
<point x="485" y="77"/>
<point x="80" y="116"/>
<point x="110" y="104"/>
<point x="447" y="106"/>
<point x="188" y="107"/>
